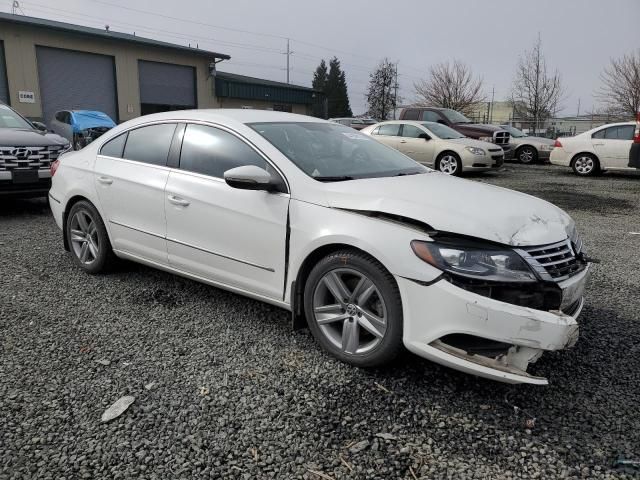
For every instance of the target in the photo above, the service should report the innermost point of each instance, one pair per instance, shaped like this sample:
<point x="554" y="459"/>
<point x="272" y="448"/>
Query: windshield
<point x="330" y="152"/>
<point x="357" y="121"/>
<point x="442" y="131"/>
<point x="10" y="119"/>
<point x="514" y="131"/>
<point x="455" y="117"/>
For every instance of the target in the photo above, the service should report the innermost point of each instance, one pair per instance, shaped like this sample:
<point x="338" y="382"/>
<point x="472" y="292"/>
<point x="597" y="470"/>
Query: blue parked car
<point x="80" y="127"/>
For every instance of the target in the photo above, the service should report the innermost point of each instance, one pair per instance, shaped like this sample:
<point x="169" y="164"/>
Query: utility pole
<point x="288" y="53"/>
<point x="493" y="93"/>
<point x="395" y="92"/>
<point x="578" y="115"/>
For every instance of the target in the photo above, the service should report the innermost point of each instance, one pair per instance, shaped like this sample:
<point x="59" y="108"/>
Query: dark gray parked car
<point x="528" y="149"/>
<point x="26" y="153"/>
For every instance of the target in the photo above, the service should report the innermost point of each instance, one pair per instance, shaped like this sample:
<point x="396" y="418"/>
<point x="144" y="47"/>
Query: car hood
<point x="29" y="138"/>
<point x="455" y="205"/>
<point x="477" y="128"/>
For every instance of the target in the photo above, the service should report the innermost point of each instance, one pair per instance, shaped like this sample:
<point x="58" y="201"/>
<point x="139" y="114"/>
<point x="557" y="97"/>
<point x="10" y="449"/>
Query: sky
<point x="578" y="36"/>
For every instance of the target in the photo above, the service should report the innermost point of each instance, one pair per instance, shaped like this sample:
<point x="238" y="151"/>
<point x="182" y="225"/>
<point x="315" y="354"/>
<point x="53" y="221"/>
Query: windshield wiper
<point x="335" y="178"/>
<point x="402" y="174"/>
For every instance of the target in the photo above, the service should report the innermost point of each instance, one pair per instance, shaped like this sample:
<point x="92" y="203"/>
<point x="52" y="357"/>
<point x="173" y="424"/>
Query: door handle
<point x="403" y="141"/>
<point x="598" y="144"/>
<point x="105" y="180"/>
<point x="178" y="201"/>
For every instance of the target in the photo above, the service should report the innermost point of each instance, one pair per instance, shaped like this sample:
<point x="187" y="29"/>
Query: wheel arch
<point x="586" y="152"/>
<point x="65" y="213"/>
<point x="298" y="318"/>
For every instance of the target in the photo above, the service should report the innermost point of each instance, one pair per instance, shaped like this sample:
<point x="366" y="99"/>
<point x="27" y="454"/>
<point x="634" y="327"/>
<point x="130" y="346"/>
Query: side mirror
<point x="39" y="125"/>
<point x="425" y="136"/>
<point x="250" y="177"/>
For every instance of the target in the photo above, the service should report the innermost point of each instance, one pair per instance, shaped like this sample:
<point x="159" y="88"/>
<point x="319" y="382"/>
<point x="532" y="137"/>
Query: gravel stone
<point x="277" y="407"/>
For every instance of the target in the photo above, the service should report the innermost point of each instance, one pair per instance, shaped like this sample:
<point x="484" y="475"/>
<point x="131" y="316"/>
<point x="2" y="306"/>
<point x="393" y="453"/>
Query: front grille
<point x="495" y="150"/>
<point x="501" y="138"/>
<point x="28" y="158"/>
<point x="558" y="260"/>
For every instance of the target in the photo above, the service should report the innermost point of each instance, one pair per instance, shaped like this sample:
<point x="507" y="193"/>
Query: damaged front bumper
<point x="486" y="337"/>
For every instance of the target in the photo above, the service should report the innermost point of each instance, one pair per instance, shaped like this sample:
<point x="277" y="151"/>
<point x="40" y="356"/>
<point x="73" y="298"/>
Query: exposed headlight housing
<point x="475" y="262"/>
<point x="65" y="149"/>
<point x="475" y="150"/>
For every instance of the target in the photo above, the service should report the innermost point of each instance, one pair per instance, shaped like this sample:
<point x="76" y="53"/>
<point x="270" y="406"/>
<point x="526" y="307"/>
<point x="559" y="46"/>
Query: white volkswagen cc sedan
<point x="366" y="247"/>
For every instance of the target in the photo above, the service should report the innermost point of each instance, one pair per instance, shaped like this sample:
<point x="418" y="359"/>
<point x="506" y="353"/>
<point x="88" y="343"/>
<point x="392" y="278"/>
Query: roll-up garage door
<point x="4" y="89"/>
<point x="72" y="80"/>
<point x="164" y="86"/>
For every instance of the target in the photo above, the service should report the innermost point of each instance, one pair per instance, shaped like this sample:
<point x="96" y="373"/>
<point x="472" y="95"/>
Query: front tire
<point x="527" y="155"/>
<point x="88" y="240"/>
<point x="585" y="165"/>
<point x="449" y="163"/>
<point x="353" y="308"/>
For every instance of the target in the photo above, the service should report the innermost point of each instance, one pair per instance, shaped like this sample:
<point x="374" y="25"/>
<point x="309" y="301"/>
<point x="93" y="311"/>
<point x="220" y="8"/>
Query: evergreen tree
<point x="319" y="83"/>
<point x="336" y="91"/>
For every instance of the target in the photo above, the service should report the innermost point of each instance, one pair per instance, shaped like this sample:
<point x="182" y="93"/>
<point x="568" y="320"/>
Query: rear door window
<point x="390" y="129"/>
<point x="150" y="144"/>
<point x="430" y="116"/>
<point x="115" y="146"/>
<point x="411" y="114"/>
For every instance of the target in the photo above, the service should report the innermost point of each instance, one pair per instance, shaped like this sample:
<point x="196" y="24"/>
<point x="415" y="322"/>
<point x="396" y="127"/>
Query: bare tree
<point x="536" y="92"/>
<point x="620" y="92"/>
<point x="380" y="95"/>
<point x="450" y="85"/>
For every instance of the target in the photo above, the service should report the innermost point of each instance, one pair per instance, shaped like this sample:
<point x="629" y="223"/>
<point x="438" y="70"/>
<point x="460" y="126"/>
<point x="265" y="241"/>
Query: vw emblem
<point x="21" y="153"/>
<point x="352" y="309"/>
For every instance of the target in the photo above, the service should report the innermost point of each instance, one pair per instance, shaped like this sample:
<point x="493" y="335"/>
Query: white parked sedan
<point x="438" y="146"/>
<point x="365" y="246"/>
<point x="602" y="148"/>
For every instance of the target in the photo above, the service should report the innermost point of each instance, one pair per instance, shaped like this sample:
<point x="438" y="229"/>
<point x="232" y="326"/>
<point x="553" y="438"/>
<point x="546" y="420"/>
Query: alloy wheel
<point x="350" y="311"/>
<point x="526" y="155"/>
<point x="84" y="237"/>
<point x="448" y="164"/>
<point x="584" y="165"/>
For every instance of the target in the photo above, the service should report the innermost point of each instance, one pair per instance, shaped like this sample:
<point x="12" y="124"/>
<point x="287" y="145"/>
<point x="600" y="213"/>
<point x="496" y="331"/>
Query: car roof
<point x="226" y="115"/>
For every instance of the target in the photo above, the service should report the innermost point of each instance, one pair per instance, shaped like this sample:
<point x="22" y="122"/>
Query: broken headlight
<point x="475" y="262"/>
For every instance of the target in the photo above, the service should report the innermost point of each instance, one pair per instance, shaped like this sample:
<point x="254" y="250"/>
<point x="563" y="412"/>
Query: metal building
<point x="46" y="66"/>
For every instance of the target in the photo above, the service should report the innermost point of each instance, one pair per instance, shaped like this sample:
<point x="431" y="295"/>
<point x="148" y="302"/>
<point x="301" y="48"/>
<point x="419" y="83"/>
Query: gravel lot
<point x="237" y="394"/>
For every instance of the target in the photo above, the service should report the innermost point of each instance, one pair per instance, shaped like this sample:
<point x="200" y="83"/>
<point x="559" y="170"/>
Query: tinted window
<point x="599" y="133"/>
<point x="212" y="151"/>
<point x="624" y="132"/>
<point x="114" y="147"/>
<point x="411" y="131"/>
<point x="60" y="116"/>
<point x="442" y="131"/>
<point x="429" y="116"/>
<point x="375" y="131"/>
<point x="390" y="129"/>
<point x="150" y="144"/>
<point x="411" y="114"/>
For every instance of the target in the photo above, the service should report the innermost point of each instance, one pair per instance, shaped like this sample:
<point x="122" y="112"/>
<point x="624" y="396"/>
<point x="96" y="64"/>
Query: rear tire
<point x="449" y="163"/>
<point x="353" y="309"/>
<point x="585" y="165"/>
<point x="527" y="155"/>
<point x="88" y="240"/>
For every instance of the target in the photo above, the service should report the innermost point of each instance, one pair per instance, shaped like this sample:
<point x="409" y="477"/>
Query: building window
<point x="283" y="108"/>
